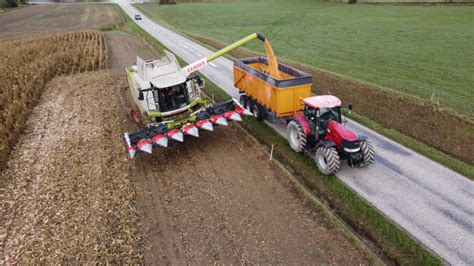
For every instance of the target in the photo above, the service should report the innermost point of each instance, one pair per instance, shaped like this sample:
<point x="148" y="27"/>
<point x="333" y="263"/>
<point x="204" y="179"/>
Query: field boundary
<point x="394" y="244"/>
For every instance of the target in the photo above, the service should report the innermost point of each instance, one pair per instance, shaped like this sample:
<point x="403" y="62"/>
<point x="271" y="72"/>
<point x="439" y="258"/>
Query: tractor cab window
<point x="171" y="98"/>
<point x="310" y="112"/>
<point x="328" y="114"/>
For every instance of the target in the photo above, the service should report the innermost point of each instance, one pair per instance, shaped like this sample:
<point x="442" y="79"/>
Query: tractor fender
<point x="325" y="144"/>
<point x="301" y="119"/>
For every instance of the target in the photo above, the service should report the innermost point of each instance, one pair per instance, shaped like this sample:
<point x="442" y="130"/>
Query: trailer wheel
<point x="248" y="104"/>
<point x="257" y="111"/>
<point x="296" y="136"/>
<point x="327" y="160"/>
<point x="243" y="100"/>
<point x="368" y="153"/>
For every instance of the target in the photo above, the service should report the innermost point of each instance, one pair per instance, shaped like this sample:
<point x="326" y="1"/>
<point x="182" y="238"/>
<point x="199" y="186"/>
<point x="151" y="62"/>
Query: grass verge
<point x="390" y="241"/>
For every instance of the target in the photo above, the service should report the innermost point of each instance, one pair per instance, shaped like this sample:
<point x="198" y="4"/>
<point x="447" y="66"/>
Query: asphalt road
<point x="434" y="204"/>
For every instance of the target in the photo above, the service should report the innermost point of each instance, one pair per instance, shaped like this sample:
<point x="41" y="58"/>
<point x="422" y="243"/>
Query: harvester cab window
<point x="172" y="98"/>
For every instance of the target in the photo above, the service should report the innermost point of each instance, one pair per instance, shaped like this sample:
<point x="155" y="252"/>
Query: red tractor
<point x="319" y="130"/>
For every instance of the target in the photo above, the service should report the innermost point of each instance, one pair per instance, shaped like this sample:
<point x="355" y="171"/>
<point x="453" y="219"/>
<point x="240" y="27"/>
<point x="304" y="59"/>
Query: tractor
<point x="319" y="130"/>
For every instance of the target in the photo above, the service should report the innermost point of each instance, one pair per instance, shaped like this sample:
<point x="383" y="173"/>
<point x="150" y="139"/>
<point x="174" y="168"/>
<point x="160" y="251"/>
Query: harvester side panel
<point x="281" y="96"/>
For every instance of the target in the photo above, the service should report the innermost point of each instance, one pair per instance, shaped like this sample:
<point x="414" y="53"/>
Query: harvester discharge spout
<point x="195" y="66"/>
<point x="170" y="98"/>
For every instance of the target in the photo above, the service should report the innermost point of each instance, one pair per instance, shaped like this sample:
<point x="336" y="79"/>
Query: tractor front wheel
<point x="296" y="136"/>
<point x="327" y="160"/>
<point x="368" y="153"/>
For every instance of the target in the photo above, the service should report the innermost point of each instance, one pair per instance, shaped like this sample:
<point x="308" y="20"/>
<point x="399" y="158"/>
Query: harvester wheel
<point x="296" y="136"/>
<point x="327" y="160"/>
<point x="136" y="117"/>
<point x="257" y="111"/>
<point x="368" y="153"/>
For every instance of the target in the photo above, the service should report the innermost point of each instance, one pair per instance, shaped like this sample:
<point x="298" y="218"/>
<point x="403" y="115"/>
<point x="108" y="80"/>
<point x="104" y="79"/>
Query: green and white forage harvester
<point x="170" y="97"/>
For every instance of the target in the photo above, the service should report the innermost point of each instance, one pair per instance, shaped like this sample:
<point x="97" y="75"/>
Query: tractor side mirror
<point x="349" y="106"/>
<point x="140" y="96"/>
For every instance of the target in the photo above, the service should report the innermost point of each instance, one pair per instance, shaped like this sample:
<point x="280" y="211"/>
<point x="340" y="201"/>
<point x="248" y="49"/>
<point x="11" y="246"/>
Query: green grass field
<point x="420" y="51"/>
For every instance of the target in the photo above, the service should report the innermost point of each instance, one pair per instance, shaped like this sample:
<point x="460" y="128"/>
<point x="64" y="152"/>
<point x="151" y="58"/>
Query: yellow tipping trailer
<point x="269" y="97"/>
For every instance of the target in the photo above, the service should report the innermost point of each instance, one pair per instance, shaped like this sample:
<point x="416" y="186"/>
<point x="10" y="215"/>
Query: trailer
<point x="266" y="96"/>
<point x="314" y="123"/>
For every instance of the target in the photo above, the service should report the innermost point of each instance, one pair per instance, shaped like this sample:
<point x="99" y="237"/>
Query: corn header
<point x="170" y="99"/>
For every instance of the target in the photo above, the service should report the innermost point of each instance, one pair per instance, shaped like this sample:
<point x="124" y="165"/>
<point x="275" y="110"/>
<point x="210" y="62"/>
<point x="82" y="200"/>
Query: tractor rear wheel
<point x="368" y="153"/>
<point x="327" y="160"/>
<point x="296" y="136"/>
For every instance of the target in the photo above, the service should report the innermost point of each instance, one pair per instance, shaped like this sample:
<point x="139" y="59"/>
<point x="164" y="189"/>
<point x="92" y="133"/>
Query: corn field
<point x="26" y="66"/>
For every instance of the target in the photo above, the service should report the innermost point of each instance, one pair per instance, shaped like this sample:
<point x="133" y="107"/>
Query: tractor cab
<point x="319" y="110"/>
<point x="319" y="129"/>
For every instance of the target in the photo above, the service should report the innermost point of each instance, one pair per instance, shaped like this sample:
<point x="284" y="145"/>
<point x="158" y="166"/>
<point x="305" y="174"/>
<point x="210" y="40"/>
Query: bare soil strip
<point x="218" y="199"/>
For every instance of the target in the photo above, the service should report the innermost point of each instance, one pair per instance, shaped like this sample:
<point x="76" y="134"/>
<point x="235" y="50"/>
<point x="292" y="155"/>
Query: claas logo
<point x="196" y="66"/>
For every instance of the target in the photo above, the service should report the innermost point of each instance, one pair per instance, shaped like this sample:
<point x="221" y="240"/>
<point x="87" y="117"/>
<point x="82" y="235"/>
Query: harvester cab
<point x="162" y="88"/>
<point x="170" y="98"/>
